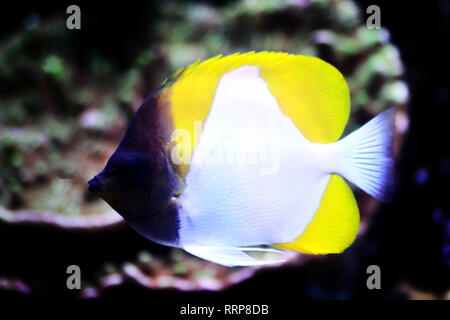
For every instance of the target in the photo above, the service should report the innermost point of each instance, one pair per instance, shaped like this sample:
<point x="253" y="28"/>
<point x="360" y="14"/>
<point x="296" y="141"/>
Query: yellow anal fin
<point x="335" y="224"/>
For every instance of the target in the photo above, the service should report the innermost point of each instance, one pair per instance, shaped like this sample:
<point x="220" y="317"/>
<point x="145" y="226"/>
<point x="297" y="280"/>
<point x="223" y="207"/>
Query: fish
<point x="241" y="154"/>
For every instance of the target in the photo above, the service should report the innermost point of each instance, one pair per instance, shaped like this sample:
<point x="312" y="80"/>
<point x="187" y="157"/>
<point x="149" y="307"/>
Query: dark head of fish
<point x="138" y="181"/>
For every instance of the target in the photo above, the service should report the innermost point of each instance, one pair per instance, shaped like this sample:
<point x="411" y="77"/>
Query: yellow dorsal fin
<point x="310" y="91"/>
<point x="335" y="224"/>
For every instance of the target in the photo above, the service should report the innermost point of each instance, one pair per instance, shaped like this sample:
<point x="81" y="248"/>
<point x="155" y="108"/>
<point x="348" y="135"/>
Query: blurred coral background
<point x="66" y="98"/>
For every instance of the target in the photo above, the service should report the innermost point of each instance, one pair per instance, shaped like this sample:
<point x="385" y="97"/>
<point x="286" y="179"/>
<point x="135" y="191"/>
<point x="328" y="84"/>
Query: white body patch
<point x="254" y="178"/>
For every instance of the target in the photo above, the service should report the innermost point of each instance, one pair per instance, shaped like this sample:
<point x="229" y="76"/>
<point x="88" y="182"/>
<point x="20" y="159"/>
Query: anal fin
<point x="335" y="224"/>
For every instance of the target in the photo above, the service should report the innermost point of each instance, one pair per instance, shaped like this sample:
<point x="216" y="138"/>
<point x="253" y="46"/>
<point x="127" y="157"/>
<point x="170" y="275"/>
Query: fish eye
<point x="131" y="170"/>
<point x="109" y="170"/>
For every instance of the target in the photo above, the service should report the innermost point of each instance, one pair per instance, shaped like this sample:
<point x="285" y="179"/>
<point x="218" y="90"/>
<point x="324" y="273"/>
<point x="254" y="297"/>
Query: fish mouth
<point x="95" y="186"/>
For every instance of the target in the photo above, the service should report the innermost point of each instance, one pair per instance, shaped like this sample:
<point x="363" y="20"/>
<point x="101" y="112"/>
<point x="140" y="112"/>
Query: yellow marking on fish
<point x="335" y="224"/>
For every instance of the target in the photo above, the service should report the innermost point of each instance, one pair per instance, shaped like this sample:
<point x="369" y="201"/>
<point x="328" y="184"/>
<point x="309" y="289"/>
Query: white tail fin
<point x="366" y="156"/>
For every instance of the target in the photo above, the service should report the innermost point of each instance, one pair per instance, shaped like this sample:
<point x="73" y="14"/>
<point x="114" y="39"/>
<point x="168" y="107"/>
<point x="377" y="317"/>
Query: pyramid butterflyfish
<point x="243" y="153"/>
